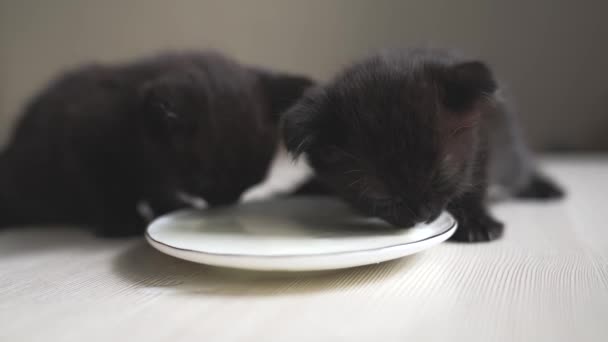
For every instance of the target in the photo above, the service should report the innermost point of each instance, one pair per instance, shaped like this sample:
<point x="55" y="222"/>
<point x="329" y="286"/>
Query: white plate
<point x="297" y="234"/>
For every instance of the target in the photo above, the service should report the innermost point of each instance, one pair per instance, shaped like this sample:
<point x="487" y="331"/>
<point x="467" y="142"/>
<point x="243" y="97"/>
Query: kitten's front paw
<point x="122" y="229"/>
<point x="119" y="232"/>
<point x="479" y="228"/>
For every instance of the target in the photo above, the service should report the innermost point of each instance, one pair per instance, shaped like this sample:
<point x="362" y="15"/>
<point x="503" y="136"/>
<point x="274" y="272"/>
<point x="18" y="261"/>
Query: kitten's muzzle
<point x="403" y="216"/>
<point x="398" y="221"/>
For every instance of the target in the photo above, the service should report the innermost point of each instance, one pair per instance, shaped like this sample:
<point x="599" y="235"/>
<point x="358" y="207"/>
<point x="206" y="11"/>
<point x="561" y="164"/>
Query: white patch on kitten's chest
<point x="284" y="176"/>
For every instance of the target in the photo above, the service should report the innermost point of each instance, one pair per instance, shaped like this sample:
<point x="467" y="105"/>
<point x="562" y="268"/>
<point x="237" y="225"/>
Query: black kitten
<point x="405" y="135"/>
<point x="102" y="138"/>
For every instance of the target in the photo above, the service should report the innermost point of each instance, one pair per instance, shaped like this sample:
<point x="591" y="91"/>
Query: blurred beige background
<point x="553" y="54"/>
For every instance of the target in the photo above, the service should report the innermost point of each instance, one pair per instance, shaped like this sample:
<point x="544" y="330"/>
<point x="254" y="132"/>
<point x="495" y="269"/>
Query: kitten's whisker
<point x="407" y="207"/>
<point x="355" y="182"/>
<point x="365" y="191"/>
<point x="374" y="209"/>
<point x="299" y="148"/>
<point x="350" y="155"/>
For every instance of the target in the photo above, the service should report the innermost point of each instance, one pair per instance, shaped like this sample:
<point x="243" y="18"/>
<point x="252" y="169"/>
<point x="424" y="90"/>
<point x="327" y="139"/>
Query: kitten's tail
<point x="541" y="187"/>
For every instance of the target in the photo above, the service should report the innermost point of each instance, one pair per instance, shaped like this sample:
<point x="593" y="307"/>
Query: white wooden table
<point x="546" y="280"/>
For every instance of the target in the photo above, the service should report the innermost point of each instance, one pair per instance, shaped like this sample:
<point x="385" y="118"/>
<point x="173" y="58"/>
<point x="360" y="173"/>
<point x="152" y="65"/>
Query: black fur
<point x="101" y="138"/>
<point x="540" y="187"/>
<point x="401" y="136"/>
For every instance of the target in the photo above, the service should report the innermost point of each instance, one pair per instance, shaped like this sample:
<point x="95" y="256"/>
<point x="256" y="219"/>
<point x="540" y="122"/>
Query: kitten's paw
<point x="122" y="230"/>
<point x="481" y="228"/>
<point x="541" y="188"/>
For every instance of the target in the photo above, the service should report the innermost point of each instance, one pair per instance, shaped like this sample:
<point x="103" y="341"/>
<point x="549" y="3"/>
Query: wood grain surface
<point x="546" y="280"/>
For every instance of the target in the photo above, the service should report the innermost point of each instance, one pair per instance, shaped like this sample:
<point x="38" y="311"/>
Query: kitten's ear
<point x="300" y="125"/>
<point x="282" y="90"/>
<point x="466" y="83"/>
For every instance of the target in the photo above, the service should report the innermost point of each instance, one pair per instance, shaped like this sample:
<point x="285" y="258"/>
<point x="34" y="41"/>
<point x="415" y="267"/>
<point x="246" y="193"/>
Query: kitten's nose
<point x="406" y="217"/>
<point x="429" y="214"/>
<point x="424" y="214"/>
<point x="399" y="221"/>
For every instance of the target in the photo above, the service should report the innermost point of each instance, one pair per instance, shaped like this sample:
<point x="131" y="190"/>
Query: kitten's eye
<point x="167" y="111"/>
<point x="171" y="116"/>
<point x="162" y="105"/>
<point x="462" y="129"/>
<point x="168" y="115"/>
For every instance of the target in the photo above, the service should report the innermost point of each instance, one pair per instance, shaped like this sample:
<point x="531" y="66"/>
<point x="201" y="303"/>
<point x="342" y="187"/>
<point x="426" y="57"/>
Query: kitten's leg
<point x="8" y="215"/>
<point x="475" y="223"/>
<point x="163" y="203"/>
<point x="11" y="199"/>
<point x="5" y="213"/>
<point x="512" y="165"/>
<point x="118" y="216"/>
<point x="5" y="217"/>
<point x="127" y="221"/>
<point x="116" y="220"/>
<point x="121" y="226"/>
<point x="540" y="187"/>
